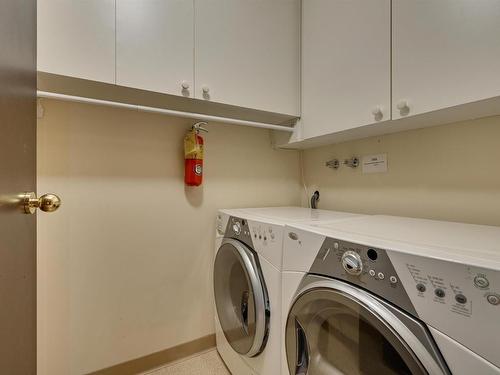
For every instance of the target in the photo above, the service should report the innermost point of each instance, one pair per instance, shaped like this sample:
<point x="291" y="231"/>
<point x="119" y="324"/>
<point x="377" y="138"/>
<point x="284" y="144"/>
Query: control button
<point x="421" y="288"/>
<point x="494" y="299"/>
<point x="336" y="245"/>
<point x="371" y="273"/>
<point x="265" y="238"/>
<point x="393" y="279"/>
<point x="260" y="236"/>
<point x="255" y="235"/>
<point x="460" y="298"/>
<point x="272" y="236"/>
<point x="381" y="276"/>
<point x="481" y="282"/>
<point x="372" y="254"/>
<point x="439" y="293"/>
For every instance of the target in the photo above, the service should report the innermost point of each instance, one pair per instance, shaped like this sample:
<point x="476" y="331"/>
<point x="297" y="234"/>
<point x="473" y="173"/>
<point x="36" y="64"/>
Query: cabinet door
<point x="154" y="45"/>
<point x="345" y="64"/>
<point x="445" y="53"/>
<point x="247" y="53"/>
<point x="77" y="38"/>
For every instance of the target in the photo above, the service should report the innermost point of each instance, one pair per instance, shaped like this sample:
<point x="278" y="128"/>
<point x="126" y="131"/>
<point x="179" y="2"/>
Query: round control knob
<point x="185" y="85"/>
<point x="205" y="89"/>
<point x="237" y="228"/>
<point x="351" y="261"/>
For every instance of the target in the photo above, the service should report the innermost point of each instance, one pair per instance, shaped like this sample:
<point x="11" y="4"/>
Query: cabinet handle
<point x="377" y="112"/>
<point x="185" y="85"/>
<point x="403" y="106"/>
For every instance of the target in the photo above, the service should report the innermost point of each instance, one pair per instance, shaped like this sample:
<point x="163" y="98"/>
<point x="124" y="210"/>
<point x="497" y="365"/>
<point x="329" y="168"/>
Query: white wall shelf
<point x="163" y="111"/>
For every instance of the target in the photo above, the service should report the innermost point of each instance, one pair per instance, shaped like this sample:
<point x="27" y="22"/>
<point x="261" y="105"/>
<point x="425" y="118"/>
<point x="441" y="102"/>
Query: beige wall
<point x="124" y="265"/>
<point x="450" y="172"/>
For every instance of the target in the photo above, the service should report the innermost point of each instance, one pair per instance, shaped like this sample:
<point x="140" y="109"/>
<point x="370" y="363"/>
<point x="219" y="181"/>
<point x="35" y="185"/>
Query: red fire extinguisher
<point x="193" y="155"/>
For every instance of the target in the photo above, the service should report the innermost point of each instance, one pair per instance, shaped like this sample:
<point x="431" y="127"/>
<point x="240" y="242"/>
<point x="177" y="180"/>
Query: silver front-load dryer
<point x="336" y="328"/>
<point x="346" y="320"/>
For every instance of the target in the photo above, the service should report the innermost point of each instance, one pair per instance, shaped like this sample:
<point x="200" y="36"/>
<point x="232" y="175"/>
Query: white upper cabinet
<point x="154" y="45"/>
<point x="77" y="38"/>
<point x="445" y="53"/>
<point x="247" y="53"/>
<point x="345" y="64"/>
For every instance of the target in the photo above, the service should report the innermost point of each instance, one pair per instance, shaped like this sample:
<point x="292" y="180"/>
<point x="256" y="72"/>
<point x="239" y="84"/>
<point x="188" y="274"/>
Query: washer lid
<point x="241" y="298"/>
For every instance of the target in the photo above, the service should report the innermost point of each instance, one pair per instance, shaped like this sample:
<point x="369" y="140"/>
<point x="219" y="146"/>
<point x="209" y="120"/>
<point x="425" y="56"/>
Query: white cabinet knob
<point x="403" y="105"/>
<point x="205" y="89"/>
<point x="377" y="112"/>
<point x="185" y="85"/>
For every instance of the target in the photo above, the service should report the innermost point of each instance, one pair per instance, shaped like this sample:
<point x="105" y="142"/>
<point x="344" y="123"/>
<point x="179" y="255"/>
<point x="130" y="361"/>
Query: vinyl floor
<point x="206" y="363"/>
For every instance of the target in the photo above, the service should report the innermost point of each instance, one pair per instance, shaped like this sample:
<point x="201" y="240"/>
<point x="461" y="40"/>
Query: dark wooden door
<point x="17" y="175"/>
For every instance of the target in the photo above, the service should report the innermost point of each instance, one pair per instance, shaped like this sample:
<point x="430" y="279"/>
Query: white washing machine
<point x="391" y="295"/>
<point x="247" y="284"/>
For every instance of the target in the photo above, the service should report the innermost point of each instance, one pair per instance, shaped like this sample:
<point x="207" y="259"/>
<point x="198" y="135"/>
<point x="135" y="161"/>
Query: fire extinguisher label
<point x="198" y="169"/>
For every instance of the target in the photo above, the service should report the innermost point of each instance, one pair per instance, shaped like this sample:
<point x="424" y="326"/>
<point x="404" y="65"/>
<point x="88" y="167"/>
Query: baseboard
<point x="160" y="358"/>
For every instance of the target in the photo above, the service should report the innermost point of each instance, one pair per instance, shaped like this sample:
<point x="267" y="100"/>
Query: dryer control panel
<point x="365" y="266"/>
<point x="239" y="229"/>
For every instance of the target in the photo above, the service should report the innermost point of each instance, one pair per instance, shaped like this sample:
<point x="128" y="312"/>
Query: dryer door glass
<point x="329" y="333"/>
<point x="240" y="298"/>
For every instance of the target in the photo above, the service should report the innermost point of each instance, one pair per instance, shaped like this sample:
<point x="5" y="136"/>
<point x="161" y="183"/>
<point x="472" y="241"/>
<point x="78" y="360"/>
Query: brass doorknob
<point x="47" y="202"/>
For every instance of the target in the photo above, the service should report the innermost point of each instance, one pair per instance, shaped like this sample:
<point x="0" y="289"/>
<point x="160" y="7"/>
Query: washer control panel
<point x="239" y="229"/>
<point x="367" y="267"/>
<point x="264" y="238"/>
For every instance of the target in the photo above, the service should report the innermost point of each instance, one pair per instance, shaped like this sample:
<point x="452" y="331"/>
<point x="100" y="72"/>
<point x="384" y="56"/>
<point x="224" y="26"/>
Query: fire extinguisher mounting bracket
<point x="199" y="127"/>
